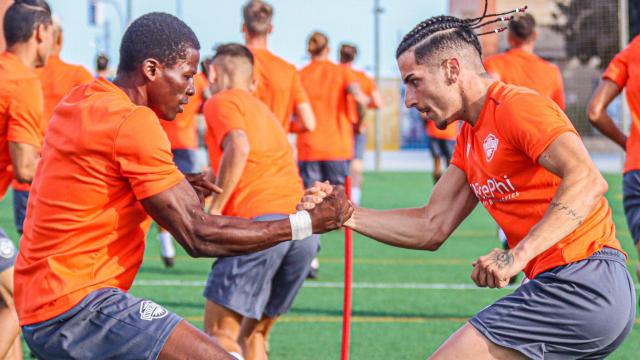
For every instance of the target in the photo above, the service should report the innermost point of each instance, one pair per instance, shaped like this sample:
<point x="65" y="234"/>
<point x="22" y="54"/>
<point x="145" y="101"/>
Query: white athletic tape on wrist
<point x="300" y="225"/>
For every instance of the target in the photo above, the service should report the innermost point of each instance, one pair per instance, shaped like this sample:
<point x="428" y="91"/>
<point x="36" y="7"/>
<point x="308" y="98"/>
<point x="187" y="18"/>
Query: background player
<point x="518" y="155"/>
<point x="441" y="144"/>
<point x="622" y="73"/>
<point x="106" y="148"/>
<point x="348" y="53"/>
<point x="256" y="169"/>
<point x="28" y="33"/>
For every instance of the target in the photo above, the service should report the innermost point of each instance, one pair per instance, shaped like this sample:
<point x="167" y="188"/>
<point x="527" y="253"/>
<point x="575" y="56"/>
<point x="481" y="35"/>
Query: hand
<point x="495" y="269"/>
<point x="331" y="212"/>
<point x="314" y="195"/>
<point x="203" y="184"/>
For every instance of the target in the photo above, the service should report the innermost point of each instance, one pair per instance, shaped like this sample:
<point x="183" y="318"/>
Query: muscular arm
<point x="597" y="112"/>
<point x="24" y="158"/>
<point x="234" y="158"/>
<point x="306" y="119"/>
<point x="423" y="228"/>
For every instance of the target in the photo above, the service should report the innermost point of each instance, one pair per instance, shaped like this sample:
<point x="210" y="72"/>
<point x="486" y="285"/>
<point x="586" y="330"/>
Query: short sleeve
<point x="617" y="71"/>
<point x="531" y="122"/>
<point x="223" y="114"/>
<point x="459" y="158"/>
<point x="299" y="94"/>
<point x="143" y="154"/>
<point x="26" y="114"/>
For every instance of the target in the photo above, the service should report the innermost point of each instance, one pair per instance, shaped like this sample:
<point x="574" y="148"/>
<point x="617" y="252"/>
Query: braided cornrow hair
<point x="444" y="30"/>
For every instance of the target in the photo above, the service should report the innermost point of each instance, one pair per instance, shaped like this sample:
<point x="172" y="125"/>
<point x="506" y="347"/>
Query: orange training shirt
<point x="182" y="131"/>
<point x="85" y="228"/>
<point x="518" y="67"/>
<point x="624" y="70"/>
<point x="327" y="86"/>
<point x="270" y="183"/>
<point x="21" y="109"/>
<point x="500" y="154"/>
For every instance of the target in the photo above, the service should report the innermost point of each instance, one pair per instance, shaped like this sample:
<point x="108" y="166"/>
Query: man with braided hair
<point x="518" y="155"/>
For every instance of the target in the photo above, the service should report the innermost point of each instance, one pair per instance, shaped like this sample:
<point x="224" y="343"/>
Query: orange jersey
<point x="182" y="131"/>
<point x="624" y="70"/>
<point x="270" y="183"/>
<point x="450" y="133"/>
<point x="500" y="154"/>
<point x="279" y="85"/>
<point x="327" y="86"/>
<point x="518" y="67"/>
<point x="85" y="228"/>
<point x="367" y="86"/>
<point x="57" y="79"/>
<point x="21" y="109"/>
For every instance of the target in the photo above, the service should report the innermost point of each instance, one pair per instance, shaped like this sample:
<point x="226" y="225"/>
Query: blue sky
<point x="218" y="21"/>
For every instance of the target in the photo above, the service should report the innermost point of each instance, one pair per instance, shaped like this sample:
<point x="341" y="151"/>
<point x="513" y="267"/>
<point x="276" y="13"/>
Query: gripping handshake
<point x="324" y="206"/>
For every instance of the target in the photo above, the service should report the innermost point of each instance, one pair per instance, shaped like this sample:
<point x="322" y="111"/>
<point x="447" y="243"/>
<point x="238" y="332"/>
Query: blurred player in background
<point x="278" y="83"/>
<point x="183" y="136"/>
<point x="324" y="154"/>
<point x="102" y="67"/>
<point x="348" y="53"/>
<point x="106" y="170"/>
<point x="519" y="155"/>
<point x="441" y="144"/>
<point x="255" y="166"/>
<point x="28" y="33"/>
<point x="57" y="78"/>
<point x="623" y="73"/>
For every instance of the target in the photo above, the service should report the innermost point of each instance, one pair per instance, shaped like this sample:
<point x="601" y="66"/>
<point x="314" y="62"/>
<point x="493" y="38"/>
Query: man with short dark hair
<point x="28" y="32"/>
<point x="106" y="171"/>
<point x="519" y="155"/>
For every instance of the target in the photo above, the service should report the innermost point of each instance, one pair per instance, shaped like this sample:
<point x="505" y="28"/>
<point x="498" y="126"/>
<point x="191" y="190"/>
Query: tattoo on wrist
<point x="573" y="214"/>
<point x="503" y="259"/>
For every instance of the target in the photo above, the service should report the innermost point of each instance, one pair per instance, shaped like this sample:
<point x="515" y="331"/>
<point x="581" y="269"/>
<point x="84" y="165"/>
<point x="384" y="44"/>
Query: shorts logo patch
<point x="490" y="145"/>
<point x="150" y="310"/>
<point x="7" y="250"/>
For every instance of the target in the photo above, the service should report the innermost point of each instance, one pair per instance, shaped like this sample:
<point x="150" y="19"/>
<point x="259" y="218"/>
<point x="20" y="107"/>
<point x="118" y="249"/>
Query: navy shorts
<point x="107" y="324"/>
<point x="582" y="310"/>
<point x="8" y="252"/>
<point x="185" y="160"/>
<point x="265" y="282"/>
<point x="441" y="148"/>
<point x="631" y="202"/>
<point x="333" y="171"/>
<point x="20" y="199"/>
<point x="359" y="146"/>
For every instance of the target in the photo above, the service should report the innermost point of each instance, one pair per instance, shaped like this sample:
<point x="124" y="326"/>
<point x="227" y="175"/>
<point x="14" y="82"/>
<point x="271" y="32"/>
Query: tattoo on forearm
<point x="567" y="211"/>
<point x="503" y="259"/>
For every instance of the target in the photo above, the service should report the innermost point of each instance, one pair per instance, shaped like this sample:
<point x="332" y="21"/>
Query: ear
<point x="270" y="29"/>
<point x="151" y="69"/>
<point x="40" y="32"/>
<point x="254" y="85"/>
<point x="534" y="36"/>
<point x="211" y="76"/>
<point x="244" y="28"/>
<point x="451" y="70"/>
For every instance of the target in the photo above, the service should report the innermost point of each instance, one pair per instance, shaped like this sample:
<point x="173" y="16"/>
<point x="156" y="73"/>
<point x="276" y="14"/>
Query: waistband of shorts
<point x="609" y="254"/>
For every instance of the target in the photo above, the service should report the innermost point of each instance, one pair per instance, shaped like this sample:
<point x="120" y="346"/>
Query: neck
<point x="134" y="87"/>
<point x="26" y="53"/>
<point x="474" y="95"/>
<point x="526" y="47"/>
<point x="319" y="57"/>
<point x="349" y="64"/>
<point x="256" y="42"/>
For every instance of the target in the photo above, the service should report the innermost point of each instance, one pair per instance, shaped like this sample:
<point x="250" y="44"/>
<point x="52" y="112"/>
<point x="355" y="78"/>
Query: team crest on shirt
<point x="490" y="146"/>
<point x="150" y="310"/>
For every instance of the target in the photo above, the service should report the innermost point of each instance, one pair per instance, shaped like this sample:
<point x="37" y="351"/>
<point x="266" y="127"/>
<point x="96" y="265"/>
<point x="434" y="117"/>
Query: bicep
<point x="566" y="154"/>
<point x="235" y="142"/>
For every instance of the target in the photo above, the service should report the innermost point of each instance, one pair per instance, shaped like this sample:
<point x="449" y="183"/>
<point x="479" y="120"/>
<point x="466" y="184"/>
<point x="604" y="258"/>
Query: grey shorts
<point x="185" y="160"/>
<point x="631" y="202"/>
<point x="8" y="251"/>
<point x="265" y="282"/>
<point x="20" y="200"/>
<point x="107" y="324"/>
<point x="581" y="310"/>
<point x="359" y="145"/>
<point x="334" y="171"/>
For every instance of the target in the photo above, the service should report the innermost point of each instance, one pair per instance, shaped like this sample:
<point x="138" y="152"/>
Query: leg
<point x="167" y="249"/>
<point x="224" y="325"/>
<point x="469" y="343"/>
<point x="631" y="203"/>
<point x="20" y="199"/>
<point x="437" y="169"/>
<point x="253" y="337"/>
<point x="187" y="342"/>
<point x="357" y="166"/>
<point x="9" y="327"/>
<point x="310" y="172"/>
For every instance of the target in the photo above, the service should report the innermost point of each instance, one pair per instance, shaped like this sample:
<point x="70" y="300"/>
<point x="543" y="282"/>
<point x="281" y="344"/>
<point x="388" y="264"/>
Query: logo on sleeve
<point x="7" y="250"/>
<point x="150" y="310"/>
<point x="490" y="145"/>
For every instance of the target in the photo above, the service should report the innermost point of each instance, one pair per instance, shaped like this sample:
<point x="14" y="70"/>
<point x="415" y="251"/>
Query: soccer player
<point x="102" y="67"/>
<point x="518" y="155"/>
<point x="278" y="82"/>
<point x="105" y="171"/>
<point x="182" y="134"/>
<point x="441" y="144"/>
<point x="28" y="33"/>
<point x="255" y="166"/>
<point x="622" y="73"/>
<point x="57" y="79"/>
<point x="521" y="66"/>
<point x="369" y="88"/>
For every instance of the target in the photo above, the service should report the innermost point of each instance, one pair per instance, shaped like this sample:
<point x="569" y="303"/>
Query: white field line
<point x="333" y="285"/>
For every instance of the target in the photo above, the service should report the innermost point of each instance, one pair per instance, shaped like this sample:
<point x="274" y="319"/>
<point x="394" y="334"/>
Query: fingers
<point x="321" y="186"/>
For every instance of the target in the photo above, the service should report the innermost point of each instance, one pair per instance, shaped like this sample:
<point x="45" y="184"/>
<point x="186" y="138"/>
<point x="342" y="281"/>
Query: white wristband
<point x="300" y="225"/>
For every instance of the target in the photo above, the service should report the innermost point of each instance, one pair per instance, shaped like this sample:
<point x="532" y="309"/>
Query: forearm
<point x="608" y="128"/>
<point x="231" y="168"/>
<point x="24" y="158"/>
